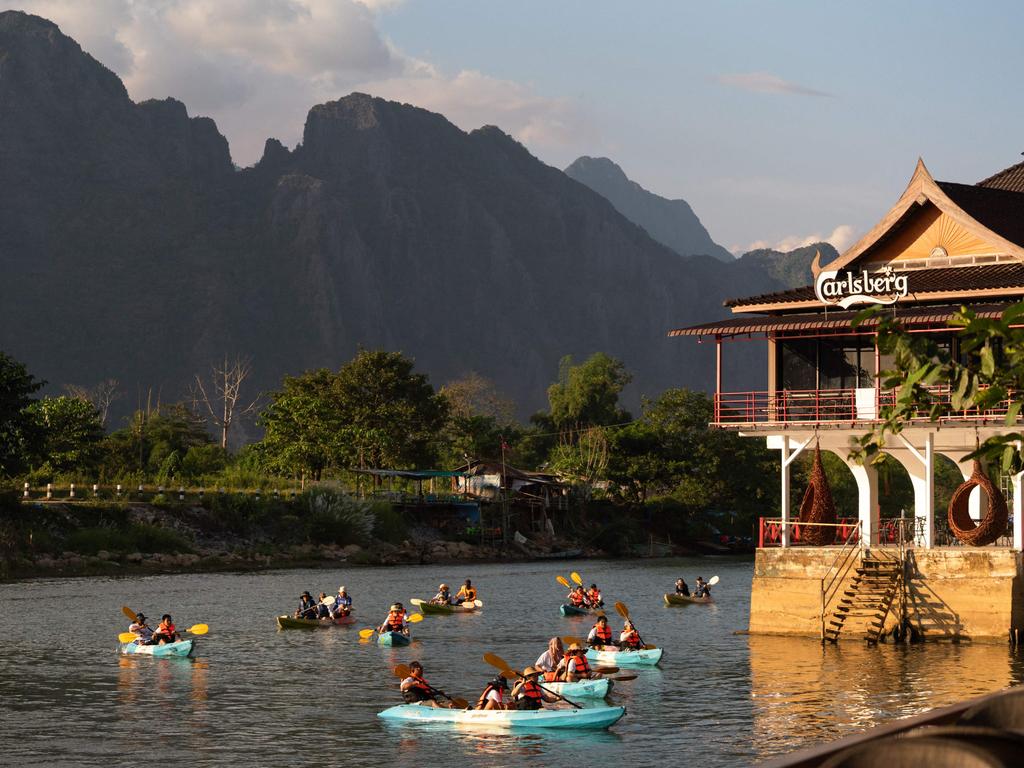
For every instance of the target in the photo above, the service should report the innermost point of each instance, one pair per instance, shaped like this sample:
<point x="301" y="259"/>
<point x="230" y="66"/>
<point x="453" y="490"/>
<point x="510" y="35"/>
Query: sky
<point x="781" y="123"/>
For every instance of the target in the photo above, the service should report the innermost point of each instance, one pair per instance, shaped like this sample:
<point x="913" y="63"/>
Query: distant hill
<point x="132" y="248"/>
<point x="670" y="222"/>
<point x="791" y="268"/>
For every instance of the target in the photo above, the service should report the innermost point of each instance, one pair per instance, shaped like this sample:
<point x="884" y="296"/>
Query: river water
<point x="256" y="696"/>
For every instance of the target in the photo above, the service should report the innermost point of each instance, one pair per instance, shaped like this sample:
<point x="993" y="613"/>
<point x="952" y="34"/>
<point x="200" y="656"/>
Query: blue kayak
<point x="572" y="610"/>
<point x="591" y="717"/>
<point x="389" y="639"/>
<point x="645" y="657"/>
<point x="179" y="649"/>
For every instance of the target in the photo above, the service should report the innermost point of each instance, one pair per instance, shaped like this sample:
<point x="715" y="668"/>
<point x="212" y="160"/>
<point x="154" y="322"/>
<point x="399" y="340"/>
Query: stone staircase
<point x="866" y="599"/>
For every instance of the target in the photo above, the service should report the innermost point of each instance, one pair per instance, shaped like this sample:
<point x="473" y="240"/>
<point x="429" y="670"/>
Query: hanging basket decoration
<point x="992" y="526"/>
<point x="817" y="507"/>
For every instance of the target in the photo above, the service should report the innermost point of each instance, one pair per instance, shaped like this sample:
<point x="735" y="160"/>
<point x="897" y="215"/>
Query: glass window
<point x="798" y="364"/>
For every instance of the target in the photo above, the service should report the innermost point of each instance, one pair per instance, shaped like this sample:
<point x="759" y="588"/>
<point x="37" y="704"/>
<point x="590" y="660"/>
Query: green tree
<point x="587" y="395"/>
<point x="71" y="430"/>
<point x="18" y="435"/>
<point x="302" y="425"/>
<point x="155" y="443"/>
<point x="479" y="417"/>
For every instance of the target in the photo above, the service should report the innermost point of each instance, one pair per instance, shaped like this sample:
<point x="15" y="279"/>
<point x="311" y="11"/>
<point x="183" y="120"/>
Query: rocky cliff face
<point x="131" y="248"/>
<point x="671" y="222"/>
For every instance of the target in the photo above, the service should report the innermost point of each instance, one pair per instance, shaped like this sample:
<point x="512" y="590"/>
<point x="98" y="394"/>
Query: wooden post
<point x="71" y="493"/>
<point x="25" y="492"/>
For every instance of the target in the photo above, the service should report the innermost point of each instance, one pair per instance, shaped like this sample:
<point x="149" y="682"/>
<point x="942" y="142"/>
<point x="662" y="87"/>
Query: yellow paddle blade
<point x="650" y="647"/>
<point x="127" y="637"/>
<point x="563" y="581"/>
<point x="569" y="640"/>
<point x="128" y="612"/>
<point x="416" y="618"/>
<point x="401" y="671"/>
<point x="365" y="634"/>
<point x="198" y="629"/>
<point x="576" y="578"/>
<point x="622" y="610"/>
<point x="497" y="662"/>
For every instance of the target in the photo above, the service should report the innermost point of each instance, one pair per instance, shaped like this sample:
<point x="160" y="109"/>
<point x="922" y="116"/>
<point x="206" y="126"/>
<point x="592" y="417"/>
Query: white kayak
<point x="179" y="649"/>
<point x="591" y="717"/>
<point x="645" y="657"/>
<point x="582" y="689"/>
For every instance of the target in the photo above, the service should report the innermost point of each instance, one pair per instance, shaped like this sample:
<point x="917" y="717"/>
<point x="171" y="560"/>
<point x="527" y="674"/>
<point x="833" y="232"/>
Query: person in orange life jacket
<point x="443" y="596"/>
<point x="551" y="659"/>
<point x="165" y="632"/>
<point x="466" y="594"/>
<point x="577" y="666"/>
<point x="395" y="622"/>
<point x="493" y="695"/>
<point x="578" y="598"/>
<point x="415" y="688"/>
<point x="601" y="634"/>
<point x="141" y="630"/>
<point x="629" y="640"/>
<point x="307" y="608"/>
<point x="594" y="597"/>
<point x="527" y="694"/>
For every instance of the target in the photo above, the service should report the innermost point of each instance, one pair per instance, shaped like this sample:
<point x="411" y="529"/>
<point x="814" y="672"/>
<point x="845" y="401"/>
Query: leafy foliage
<point x="71" y="433"/>
<point x="587" y="395"/>
<point x="19" y="438"/>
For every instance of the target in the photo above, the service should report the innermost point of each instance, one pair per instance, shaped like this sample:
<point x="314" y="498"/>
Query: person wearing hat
<point x="576" y="665"/>
<point x="342" y="603"/>
<point x="307" y="607"/>
<point x="395" y="622"/>
<point x="443" y="596"/>
<point x="493" y="695"/>
<point x="142" y="631"/>
<point x="527" y="693"/>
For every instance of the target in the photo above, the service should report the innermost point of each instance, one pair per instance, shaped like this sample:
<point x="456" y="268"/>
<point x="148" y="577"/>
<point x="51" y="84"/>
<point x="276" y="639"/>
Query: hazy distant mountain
<point x="131" y="248"/>
<point x="670" y="222"/>
<point x="791" y="268"/>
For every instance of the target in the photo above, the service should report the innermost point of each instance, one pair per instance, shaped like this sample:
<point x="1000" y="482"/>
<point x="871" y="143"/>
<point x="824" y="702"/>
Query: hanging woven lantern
<point x="817" y="506"/>
<point x="992" y="526"/>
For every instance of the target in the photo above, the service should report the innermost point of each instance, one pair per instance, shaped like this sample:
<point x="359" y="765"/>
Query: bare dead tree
<point x="222" y="396"/>
<point x="100" y="396"/>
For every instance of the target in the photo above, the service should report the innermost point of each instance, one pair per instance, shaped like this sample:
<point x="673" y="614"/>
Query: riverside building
<point x="854" y="574"/>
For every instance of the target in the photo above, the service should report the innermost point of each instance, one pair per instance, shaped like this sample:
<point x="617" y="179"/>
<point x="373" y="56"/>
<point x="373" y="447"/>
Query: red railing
<point x="827" y="406"/>
<point x="890" y="531"/>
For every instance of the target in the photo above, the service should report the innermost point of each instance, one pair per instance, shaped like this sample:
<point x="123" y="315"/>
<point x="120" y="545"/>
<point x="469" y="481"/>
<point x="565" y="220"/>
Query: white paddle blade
<point x="713" y="581"/>
<point x="478" y="603"/>
<point x="327" y="601"/>
<point x="417" y="602"/>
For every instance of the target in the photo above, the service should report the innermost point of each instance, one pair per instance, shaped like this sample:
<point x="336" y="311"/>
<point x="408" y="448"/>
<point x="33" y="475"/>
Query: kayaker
<point x="342" y="603"/>
<point x="551" y="659"/>
<point x="466" y="594"/>
<point x="701" y="588"/>
<point x="165" y="632"/>
<point x="601" y="634"/>
<point x="307" y="608"/>
<point x="415" y="687"/>
<point x="443" y="596"/>
<point x="629" y="640"/>
<point x="395" y="622"/>
<point x="577" y="667"/>
<point x="493" y="695"/>
<point x="323" y="608"/>
<point x="527" y="694"/>
<point x="141" y="630"/>
<point x="682" y="588"/>
<point x="594" y="598"/>
<point x="577" y="598"/>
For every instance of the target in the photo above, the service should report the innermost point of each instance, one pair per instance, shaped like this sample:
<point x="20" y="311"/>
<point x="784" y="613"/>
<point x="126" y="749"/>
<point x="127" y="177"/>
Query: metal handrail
<point x="841" y="564"/>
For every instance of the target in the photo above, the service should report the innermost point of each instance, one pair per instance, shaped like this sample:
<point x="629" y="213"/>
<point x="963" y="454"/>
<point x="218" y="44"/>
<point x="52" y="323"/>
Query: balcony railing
<point x="827" y="406"/>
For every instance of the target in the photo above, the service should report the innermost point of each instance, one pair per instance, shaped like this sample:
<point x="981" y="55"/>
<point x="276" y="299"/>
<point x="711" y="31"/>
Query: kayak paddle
<point x="624" y="678"/>
<point x="402" y="672"/>
<point x="478" y="603"/>
<point x="416" y="618"/>
<point x="195" y="629"/>
<point x="563" y="581"/>
<point x="623" y="611"/>
<point x="128" y="612"/>
<point x="417" y="602"/>
<point x="506" y="671"/>
<point x="713" y="581"/>
<point x="576" y="578"/>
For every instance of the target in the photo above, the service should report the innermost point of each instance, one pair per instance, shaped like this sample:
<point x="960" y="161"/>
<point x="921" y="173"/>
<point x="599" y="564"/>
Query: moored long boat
<point x="434" y="608"/>
<point x="290" y="622"/>
<point x="590" y="717"/>
<point x="674" y="599"/>
<point x="388" y="639"/>
<point x="597" y="688"/>
<point x="179" y="649"/>
<point x="645" y="657"/>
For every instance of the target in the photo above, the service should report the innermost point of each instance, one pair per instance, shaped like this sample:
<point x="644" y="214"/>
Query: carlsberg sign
<point x="884" y="287"/>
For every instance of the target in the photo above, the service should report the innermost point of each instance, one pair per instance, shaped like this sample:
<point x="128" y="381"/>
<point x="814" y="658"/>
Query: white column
<point x="1018" y="513"/>
<point x="867" y="502"/>
<point x="784" y="507"/>
<point x="977" y="502"/>
<point x="922" y="477"/>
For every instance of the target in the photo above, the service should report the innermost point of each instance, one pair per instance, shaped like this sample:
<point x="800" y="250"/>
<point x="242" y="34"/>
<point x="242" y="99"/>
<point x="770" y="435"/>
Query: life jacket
<point x="630" y="638"/>
<point x="594" y="596"/>
<point x="482" y="701"/>
<point x="396" y="620"/>
<point x="605" y="636"/>
<point x="418" y="691"/>
<point x="576" y="598"/>
<point x="165" y="629"/>
<point x="469" y="593"/>
<point x="531" y="694"/>
<point x="581" y="665"/>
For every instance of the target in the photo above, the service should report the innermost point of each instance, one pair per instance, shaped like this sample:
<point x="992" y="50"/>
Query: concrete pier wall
<point x="954" y="593"/>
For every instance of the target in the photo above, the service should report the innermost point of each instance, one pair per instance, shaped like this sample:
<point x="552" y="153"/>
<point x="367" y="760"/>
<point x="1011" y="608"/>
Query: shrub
<point x="336" y="518"/>
<point x="389" y="524"/>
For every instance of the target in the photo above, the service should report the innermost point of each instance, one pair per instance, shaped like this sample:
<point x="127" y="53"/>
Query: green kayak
<point x="673" y="599"/>
<point x="290" y="622"/>
<point x="445" y="610"/>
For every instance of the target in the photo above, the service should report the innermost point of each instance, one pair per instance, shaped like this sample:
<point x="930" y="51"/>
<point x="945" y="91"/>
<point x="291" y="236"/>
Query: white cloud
<point x="840" y="238"/>
<point x="766" y="82"/>
<point x="257" y="66"/>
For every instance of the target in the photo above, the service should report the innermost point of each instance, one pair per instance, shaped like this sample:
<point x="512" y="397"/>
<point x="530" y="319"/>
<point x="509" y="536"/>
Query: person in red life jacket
<point x="577" y="667"/>
<point x="493" y="696"/>
<point x="629" y="640"/>
<point x="527" y="694"/>
<point x="551" y="660"/>
<point x="601" y="634"/>
<point x="416" y="689"/>
<point x="594" y="599"/>
<point x="578" y="598"/>
<point x="395" y="622"/>
<point x="165" y="632"/>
